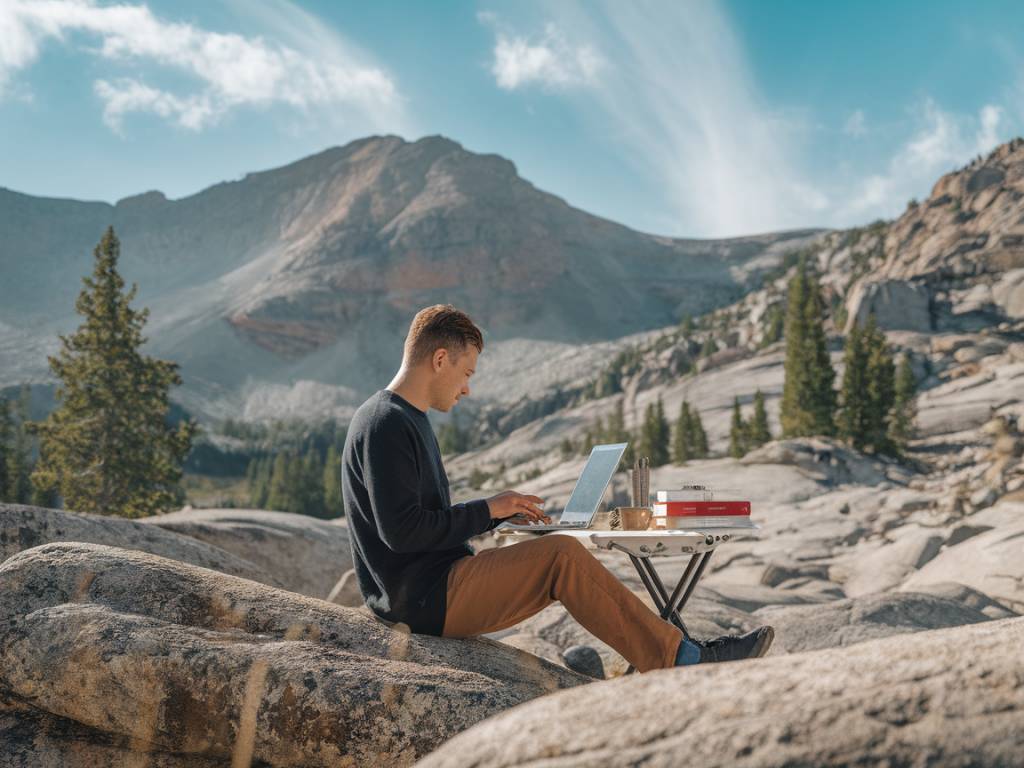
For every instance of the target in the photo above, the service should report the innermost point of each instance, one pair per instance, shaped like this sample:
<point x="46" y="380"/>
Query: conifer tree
<point x="662" y="436"/>
<point x="758" y="428"/>
<point x="901" y="427"/>
<point x="6" y="433"/>
<point x="654" y="435"/>
<point x="700" y="437"/>
<point x="822" y="377"/>
<point x="616" y="431"/>
<point x="19" y="454"/>
<point x="881" y="387"/>
<point x="108" y="448"/>
<point x="852" y="419"/>
<point x="294" y="482"/>
<point x="266" y="475"/>
<point x="311" y="500"/>
<point x="808" y="400"/>
<point x="682" y="443"/>
<point x="277" y="495"/>
<point x="333" y="504"/>
<point x="737" y="432"/>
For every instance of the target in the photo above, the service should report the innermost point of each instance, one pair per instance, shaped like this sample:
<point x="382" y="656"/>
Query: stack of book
<point x="694" y="507"/>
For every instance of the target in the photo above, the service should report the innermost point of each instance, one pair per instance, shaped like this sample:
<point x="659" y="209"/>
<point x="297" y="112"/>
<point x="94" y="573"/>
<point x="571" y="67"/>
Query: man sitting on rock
<point x="409" y="542"/>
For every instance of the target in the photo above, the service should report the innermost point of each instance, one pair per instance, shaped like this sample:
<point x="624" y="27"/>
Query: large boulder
<point x="854" y="620"/>
<point x="24" y="527"/>
<point x="301" y="553"/>
<point x="991" y="562"/>
<point x="880" y="566"/>
<point x="950" y="697"/>
<point x="896" y="304"/>
<point x="179" y="660"/>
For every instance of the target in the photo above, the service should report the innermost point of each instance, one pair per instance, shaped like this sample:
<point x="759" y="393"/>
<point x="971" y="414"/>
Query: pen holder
<point x="631" y="518"/>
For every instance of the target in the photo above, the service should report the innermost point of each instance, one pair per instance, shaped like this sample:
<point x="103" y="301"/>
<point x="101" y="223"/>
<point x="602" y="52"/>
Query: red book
<point x="701" y="508"/>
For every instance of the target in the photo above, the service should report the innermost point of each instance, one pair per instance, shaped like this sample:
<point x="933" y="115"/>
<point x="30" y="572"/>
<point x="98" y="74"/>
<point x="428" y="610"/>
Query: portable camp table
<point x="641" y="546"/>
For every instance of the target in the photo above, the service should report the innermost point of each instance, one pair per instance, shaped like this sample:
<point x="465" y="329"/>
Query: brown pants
<point x="498" y="588"/>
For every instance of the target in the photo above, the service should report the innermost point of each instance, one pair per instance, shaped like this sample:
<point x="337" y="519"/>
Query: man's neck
<point x="407" y="388"/>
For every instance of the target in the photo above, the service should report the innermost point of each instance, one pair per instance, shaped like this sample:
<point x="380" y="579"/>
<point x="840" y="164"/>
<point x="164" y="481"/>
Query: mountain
<point x="291" y="289"/>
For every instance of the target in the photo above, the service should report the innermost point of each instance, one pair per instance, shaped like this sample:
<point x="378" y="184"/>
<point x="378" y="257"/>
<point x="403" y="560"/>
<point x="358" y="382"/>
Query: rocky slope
<point x="951" y="697"/>
<point x="110" y="656"/>
<point x="289" y="291"/>
<point x="838" y="528"/>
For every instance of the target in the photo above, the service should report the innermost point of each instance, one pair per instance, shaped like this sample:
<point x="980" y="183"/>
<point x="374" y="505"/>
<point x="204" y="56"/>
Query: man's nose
<point x="465" y="390"/>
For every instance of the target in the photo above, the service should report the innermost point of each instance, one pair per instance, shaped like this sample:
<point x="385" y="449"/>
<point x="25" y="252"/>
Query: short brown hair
<point x="441" y="325"/>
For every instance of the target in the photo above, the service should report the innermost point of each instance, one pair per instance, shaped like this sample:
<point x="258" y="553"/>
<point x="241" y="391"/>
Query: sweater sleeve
<point x="391" y="475"/>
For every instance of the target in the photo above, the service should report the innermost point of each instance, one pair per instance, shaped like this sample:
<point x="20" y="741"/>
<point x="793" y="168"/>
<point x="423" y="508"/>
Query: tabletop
<point x="653" y="543"/>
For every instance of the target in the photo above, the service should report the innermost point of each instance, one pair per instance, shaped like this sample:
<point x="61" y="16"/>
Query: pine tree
<point x="19" y="454"/>
<point x="648" y="433"/>
<point x="452" y="438"/>
<point x="294" y="483"/>
<point x="277" y="495"/>
<point x="822" y="378"/>
<point x="881" y="387"/>
<point x="737" y="432"/>
<point x="774" y="323"/>
<point x="700" y="437"/>
<point x="682" y="443"/>
<point x="758" y="428"/>
<point x="6" y="433"/>
<point x="901" y="427"/>
<point x="333" y="503"/>
<point x="852" y="420"/>
<point x="659" y="456"/>
<point x="312" y="478"/>
<point x="616" y="431"/>
<point x="808" y="400"/>
<point x="108" y="448"/>
<point x="263" y="481"/>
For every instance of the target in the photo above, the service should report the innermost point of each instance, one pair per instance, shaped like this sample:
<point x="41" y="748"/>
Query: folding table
<point x="641" y="546"/>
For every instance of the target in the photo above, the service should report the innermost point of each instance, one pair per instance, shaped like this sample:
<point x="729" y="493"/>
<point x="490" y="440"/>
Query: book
<point x="686" y="493"/>
<point x="701" y="509"/>
<point x="694" y="522"/>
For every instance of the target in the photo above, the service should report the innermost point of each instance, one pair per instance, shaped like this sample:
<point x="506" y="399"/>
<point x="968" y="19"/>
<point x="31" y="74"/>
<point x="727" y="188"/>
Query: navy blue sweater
<point x="405" y="532"/>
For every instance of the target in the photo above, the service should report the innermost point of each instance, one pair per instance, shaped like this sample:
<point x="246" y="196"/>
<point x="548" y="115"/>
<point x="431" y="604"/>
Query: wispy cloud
<point x="856" y="124"/>
<point x="229" y="70"/>
<point x="678" y="94"/>
<point x="942" y="142"/>
<point x="548" y="59"/>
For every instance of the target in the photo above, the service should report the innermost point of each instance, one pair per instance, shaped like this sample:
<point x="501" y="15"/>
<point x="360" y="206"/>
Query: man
<point x="409" y="542"/>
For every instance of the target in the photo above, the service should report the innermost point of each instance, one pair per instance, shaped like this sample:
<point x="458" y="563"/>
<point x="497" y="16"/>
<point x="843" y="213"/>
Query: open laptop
<point x="586" y="495"/>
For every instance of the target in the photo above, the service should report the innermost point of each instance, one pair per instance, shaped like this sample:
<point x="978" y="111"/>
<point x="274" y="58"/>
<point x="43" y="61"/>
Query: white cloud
<point x="677" y="94"/>
<point x="230" y="70"/>
<point x="855" y="123"/>
<point x="942" y="142"/>
<point x="549" y="60"/>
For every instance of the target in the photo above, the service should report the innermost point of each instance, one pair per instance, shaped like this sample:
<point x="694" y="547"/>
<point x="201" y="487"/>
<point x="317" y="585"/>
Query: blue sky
<point x="691" y="119"/>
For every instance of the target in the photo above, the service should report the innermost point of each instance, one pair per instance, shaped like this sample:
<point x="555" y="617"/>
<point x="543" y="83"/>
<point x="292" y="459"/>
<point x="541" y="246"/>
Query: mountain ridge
<point x="311" y="271"/>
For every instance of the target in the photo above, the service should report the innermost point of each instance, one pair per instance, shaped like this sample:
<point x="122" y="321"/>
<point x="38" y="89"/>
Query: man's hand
<point x="511" y="503"/>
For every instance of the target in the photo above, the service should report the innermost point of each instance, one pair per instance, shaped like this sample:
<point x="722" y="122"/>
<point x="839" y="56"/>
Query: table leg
<point x="669" y="605"/>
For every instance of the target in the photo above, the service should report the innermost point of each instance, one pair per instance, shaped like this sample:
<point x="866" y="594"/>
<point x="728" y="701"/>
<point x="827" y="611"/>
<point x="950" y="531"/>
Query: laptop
<point x="586" y="495"/>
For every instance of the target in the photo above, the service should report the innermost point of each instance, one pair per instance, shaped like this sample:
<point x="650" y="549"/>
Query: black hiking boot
<point x="752" y="645"/>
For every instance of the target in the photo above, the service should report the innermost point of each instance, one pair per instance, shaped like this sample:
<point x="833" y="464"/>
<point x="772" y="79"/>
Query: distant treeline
<point x="294" y="467"/>
<point x="17" y="450"/>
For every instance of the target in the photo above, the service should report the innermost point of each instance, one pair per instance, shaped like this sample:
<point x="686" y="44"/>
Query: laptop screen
<point x="590" y="487"/>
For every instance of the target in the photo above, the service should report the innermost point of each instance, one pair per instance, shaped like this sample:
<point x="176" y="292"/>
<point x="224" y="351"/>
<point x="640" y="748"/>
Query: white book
<point x="692" y="493"/>
<point x="716" y="521"/>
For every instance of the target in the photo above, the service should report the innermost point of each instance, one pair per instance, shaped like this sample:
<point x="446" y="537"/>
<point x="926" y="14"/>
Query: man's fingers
<point x="534" y="499"/>
<point x="531" y="509"/>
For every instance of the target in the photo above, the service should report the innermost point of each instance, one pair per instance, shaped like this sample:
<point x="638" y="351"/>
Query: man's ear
<point x="438" y="359"/>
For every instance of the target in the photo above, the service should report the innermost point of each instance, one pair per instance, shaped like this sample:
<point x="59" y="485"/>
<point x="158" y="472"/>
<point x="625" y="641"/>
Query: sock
<point x="688" y="653"/>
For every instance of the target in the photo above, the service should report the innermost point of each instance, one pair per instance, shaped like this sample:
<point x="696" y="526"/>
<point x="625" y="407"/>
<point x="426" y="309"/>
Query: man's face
<point x="451" y="377"/>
